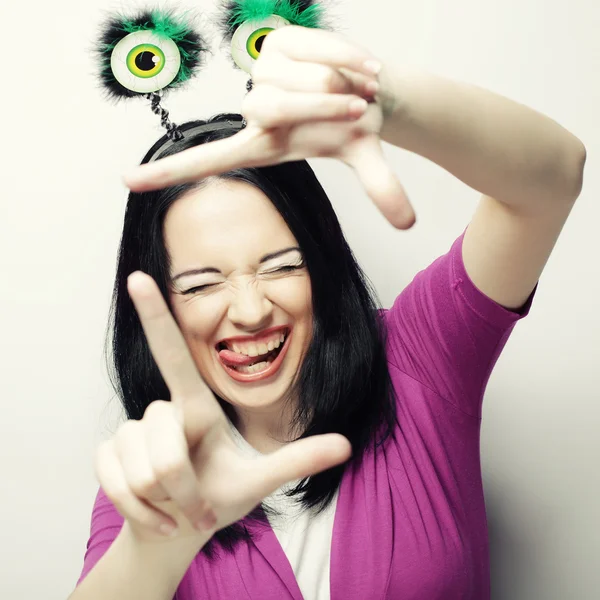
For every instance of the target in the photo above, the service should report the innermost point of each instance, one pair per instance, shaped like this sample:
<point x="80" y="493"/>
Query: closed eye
<point x="286" y="269"/>
<point x="283" y="269"/>
<point x="198" y="288"/>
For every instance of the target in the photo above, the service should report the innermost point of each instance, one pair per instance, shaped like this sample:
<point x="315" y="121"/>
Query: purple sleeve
<point x="106" y="525"/>
<point x="446" y="334"/>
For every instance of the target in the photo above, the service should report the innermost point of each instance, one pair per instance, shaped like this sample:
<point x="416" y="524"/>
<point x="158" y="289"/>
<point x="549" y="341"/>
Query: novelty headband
<point x="156" y="51"/>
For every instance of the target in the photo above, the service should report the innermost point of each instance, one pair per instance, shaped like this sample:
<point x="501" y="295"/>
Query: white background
<point x="62" y="202"/>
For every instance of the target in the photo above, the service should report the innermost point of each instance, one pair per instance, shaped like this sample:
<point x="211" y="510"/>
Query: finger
<point x="268" y="106"/>
<point x="130" y="446"/>
<point x="320" y="46"/>
<point x="361" y="85"/>
<point x="250" y="147"/>
<point x="166" y="342"/>
<point x="381" y="183"/>
<point x="169" y="461"/>
<point x="297" y="76"/>
<point x="300" y="459"/>
<point x="112" y="480"/>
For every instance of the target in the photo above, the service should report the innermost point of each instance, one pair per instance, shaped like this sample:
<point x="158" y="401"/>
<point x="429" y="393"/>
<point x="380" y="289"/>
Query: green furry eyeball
<point x="150" y="52"/>
<point x="246" y="24"/>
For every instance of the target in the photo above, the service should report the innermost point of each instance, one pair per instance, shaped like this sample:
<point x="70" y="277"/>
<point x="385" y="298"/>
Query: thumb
<point x="301" y="459"/>
<point x="381" y="183"/>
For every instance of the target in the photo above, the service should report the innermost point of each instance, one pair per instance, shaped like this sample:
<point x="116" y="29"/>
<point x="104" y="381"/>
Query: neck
<point x="266" y="430"/>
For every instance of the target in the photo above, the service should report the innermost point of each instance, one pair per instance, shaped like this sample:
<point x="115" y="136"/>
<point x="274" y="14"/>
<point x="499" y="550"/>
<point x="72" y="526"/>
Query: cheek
<point x="198" y="320"/>
<point x="293" y="295"/>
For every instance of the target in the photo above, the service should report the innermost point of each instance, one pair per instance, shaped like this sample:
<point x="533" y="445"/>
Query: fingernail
<point x="358" y="107"/>
<point x="168" y="530"/>
<point x="374" y="66"/>
<point x="372" y="87"/>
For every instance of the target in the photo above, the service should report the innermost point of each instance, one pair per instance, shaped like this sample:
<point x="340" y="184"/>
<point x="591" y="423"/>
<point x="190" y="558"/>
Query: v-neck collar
<point x="267" y="543"/>
<point x="265" y="539"/>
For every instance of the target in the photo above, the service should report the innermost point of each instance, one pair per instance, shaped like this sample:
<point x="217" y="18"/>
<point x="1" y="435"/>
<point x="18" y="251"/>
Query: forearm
<point x="496" y="146"/>
<point x="130" y="570"/>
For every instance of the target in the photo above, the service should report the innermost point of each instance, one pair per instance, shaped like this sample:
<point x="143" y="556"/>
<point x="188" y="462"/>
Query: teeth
<point x="257" y="349"/>
<point x="254" y="368"/>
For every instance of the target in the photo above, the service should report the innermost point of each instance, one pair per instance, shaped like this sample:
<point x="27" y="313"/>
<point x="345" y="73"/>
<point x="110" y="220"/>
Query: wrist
<point x="390" y="97"/>
<point x="171" y="556"/>
<point x="411" y="104"/>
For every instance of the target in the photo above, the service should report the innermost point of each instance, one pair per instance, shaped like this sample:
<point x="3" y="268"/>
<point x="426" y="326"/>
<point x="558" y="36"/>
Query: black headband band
<point x="191" y="129"/>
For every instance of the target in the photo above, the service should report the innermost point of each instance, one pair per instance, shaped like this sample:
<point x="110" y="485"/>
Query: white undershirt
<point x="304" y="536"/>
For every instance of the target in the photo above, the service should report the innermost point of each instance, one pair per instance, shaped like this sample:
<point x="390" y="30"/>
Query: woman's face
<point x="240" y="291"/>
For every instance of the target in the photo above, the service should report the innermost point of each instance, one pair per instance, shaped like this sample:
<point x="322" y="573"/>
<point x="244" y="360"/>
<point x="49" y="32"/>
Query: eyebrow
<point x="264" y="259"/>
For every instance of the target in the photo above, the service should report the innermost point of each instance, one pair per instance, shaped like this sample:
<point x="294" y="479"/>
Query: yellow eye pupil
<point x="255" y="41"/>
<point x="145" y="60"/>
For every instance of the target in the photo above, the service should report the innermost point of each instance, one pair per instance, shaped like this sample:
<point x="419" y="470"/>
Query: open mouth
<point x="251" y="362"/>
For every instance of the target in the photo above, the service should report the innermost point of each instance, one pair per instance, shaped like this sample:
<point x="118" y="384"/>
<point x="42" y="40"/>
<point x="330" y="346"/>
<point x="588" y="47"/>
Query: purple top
<point x="410" y="522"/>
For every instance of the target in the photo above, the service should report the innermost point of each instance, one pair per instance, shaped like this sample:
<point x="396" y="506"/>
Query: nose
<point x="249" y="308"/>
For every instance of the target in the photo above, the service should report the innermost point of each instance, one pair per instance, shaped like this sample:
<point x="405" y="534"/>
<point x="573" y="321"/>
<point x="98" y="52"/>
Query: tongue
<point x="239" y="360"/>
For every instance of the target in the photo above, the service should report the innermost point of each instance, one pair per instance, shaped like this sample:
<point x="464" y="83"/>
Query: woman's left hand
<point x="308" y="100"/>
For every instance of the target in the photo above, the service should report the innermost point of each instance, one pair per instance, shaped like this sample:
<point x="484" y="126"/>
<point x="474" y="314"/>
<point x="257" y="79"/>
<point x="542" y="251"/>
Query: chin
<point x="257" y="395"/>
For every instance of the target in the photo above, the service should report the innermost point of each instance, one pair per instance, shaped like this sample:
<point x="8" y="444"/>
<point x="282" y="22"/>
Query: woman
<point x="264" y="331"/>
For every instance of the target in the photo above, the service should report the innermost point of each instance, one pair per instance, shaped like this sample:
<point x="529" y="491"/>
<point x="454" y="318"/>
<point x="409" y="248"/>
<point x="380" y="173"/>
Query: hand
<point x="178" y="466"/>
<point x="308" y="100"/>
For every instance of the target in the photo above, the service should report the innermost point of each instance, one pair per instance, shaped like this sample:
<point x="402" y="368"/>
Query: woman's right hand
<point x="178" y="466"/>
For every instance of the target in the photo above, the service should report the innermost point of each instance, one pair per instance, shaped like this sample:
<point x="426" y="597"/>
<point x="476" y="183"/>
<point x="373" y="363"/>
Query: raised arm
<point x="528" y="168"/>
<point x="306" y="103"/>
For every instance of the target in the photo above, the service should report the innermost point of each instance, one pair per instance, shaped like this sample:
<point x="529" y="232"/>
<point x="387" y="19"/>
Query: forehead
<point x="227" y="223"/>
